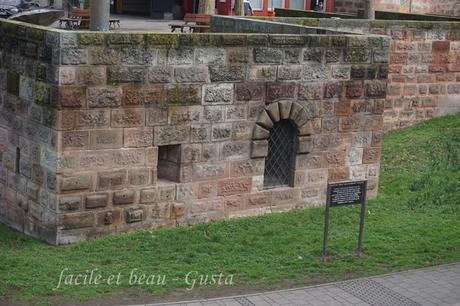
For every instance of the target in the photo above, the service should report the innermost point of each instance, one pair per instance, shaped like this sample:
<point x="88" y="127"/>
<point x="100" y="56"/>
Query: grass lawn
<point x="414" y="222"/>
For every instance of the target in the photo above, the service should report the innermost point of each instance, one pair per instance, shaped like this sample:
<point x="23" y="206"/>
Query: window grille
<point x="282" y="148"/>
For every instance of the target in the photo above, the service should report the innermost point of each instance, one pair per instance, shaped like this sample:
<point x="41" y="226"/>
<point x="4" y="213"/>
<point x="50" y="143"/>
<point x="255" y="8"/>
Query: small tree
<point x="207" y="7"/>
<point x="239" y="7"/>
<point x="369" y="9"/>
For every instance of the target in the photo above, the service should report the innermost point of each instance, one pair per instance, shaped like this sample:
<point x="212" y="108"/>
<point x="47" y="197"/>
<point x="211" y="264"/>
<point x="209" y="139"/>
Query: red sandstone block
<point x="445" y="77"/>
<point x="338" y="174"/>
<point x="394" y="69"/>
<point x="398" y="58"/>
<point x="72" y="97"/>
<point x="437" y="68"/>
<point x="453" y="68"/>
<point x="441" y="46"/>
<point x="234" y="186"/>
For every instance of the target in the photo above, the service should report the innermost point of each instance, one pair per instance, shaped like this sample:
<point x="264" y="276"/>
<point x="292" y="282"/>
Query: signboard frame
<point x="335" y="199"/>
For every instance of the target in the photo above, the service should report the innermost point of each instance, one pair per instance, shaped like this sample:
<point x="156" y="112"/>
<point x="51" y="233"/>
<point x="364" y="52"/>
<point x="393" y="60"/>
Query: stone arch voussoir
<point x="276" y="112"/>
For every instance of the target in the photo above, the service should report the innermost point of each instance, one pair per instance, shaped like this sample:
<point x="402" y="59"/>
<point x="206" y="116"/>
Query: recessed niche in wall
<point x="169" y="158"/>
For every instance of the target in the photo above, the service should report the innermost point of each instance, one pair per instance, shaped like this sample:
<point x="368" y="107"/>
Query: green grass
<point x="413" y="223"/>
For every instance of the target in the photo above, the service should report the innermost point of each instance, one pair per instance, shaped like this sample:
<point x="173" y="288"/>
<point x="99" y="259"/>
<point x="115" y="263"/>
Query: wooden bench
<point x="195" y="22"/>
<point x="80" y="18"/>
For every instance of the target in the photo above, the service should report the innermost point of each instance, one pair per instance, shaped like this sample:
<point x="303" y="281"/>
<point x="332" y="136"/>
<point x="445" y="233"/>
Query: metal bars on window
<point x="280" y="162"/>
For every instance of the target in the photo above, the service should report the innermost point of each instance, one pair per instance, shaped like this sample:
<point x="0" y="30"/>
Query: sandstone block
<point x="96" y="200"/>
<point x="123" y="197"/>
<point x="104" y="96"/>
<point x="106" y="139"/>
<point x="259" y="148"/>
<point x="233" y="186"/>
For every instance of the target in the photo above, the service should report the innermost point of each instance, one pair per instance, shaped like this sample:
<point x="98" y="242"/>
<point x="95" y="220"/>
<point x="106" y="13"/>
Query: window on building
<point x="257" y="4"/>
<point x="272" y="4"/>
<point x="169" y="163"/>
<point x="297" y="4"/>
<point x="282" y="148"/>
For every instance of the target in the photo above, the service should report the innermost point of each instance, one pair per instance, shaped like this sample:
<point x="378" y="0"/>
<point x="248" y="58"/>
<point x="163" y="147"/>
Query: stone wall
<point x="445" y="7"/>
<point x="424" y="71"/>
<point x="108" y="133"/>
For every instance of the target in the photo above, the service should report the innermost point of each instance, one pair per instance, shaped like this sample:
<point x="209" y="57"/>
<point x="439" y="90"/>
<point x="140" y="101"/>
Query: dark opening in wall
<point x="282" y="148"/>
<point x="18" y="159"/>
<point x="169" y="158"/>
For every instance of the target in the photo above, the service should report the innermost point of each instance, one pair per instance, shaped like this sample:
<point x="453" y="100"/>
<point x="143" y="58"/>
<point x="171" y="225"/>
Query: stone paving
<point x="425" y="287"/>
<point x="136" y="23"/>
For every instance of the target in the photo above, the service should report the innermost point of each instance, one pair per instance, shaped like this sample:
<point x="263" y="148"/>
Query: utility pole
<point x="100" y="15"/>
<point x="239" y="7"/>
<point x="207" y="7"/>
<point x="369" y="9"/>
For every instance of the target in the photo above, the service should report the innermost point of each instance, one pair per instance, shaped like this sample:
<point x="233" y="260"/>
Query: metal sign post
<point x="343" y="194"/>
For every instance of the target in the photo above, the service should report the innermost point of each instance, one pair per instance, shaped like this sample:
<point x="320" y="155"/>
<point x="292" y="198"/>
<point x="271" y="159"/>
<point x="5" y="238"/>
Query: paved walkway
<point x="430" y="286"/>
<point x="135" y="23"/>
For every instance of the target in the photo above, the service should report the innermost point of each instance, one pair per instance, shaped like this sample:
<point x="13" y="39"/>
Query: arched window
<point x="282" y="148"/>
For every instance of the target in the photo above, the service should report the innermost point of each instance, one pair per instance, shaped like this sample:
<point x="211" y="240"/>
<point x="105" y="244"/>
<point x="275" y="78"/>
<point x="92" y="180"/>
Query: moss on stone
<point x="310" y="22"/>
<point x="35" y="34"/>
<point x="42" y="93"/>
<point x="91" y="38"/>
<point x="155" y="39"/>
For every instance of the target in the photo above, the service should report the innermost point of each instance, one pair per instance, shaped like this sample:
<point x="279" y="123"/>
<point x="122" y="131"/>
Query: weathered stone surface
<point x="265" y="120"/>
<point x="313" y="91"/>
<point x="268" y="55"/>
<point x="191" y="74"/>
<point x="72" y="97"/>
<point x="262" y="73"/>
<point x="123" y="197"/>
<point x="183" y="94"/>
<point x="227" y="73"/>
<point x="249" y="91"/>
<point x="165" y="135"/>
<point x="221" y="131"/>
<point x="305" y="144"/>
<point x="111" y="180"/>
<point x="134" y="215"/>
<point x="233" y="186"/>
<point x="218" y="94"/>
<point x="210" y="171"/>
<point x="106" y="139"/>
<point x="75" y="221"/>
<point x="96" y="200"/>
<point x="315" y="72"/>
<point x="75" y="140"/>
<point x="139" y="177"/>
<point x="138" y="137"/>
<point x="160" y="74"/>
<point x="127" y="118"/>
<point x="259" y="148"/>
<point x="200" y="133"/>
<point x="285" y="109"/>
<point x="104" y="97"/>
<point x="182" y="115"/>
<point x="371" y="155"/>
<point x="75" y="183"/>
<point x="280" y="91"/>
<point x="93" y="119"/>
<point x="70" y="203"/>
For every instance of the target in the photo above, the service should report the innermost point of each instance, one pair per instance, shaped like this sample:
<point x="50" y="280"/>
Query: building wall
<point x="119" y="98"/>
<point x="447" y="7"/>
